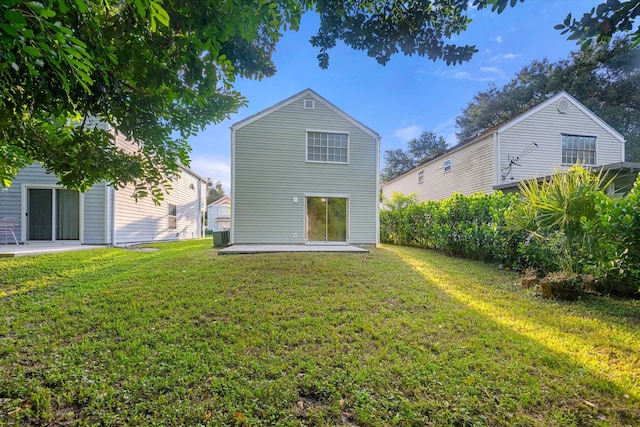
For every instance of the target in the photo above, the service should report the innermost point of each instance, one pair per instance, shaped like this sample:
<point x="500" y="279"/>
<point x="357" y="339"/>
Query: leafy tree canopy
<point x="215" y="191"/>
<point x="426" y="147"/>
<point x="159" y="71"/>
<point x="605" y="78"/>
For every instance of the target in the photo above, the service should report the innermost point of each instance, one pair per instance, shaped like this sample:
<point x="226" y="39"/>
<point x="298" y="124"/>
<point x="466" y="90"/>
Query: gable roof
<point x="517" y="118"/>
<point x="304" y="94"/>
<point x="562" y="94"/>
<point x="224" y="200"/>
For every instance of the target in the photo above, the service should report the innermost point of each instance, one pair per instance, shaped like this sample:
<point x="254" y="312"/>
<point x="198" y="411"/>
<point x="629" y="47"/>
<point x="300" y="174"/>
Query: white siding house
<point x="219" y="214"/>
<point x="304" y="172"/>
<point x="102" y="215"/>
<point x="555" y="134"/>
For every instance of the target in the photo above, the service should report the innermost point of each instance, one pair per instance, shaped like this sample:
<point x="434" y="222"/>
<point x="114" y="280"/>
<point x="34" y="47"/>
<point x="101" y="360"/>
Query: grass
<point x="182" y="336"/>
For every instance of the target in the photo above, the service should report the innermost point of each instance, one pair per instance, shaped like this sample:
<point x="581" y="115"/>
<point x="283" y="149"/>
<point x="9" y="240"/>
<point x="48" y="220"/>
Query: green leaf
<point x="31" y="51"/>
<point x="82" y="6"/>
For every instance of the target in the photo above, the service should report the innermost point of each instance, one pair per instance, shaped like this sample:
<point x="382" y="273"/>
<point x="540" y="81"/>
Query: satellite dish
<point x="562" y="106"/>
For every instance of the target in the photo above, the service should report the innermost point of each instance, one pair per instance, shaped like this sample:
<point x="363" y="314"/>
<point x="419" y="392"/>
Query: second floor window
<point x="447" y="165"/>
<point x="327" y="147"/>
<point x="420" y="177"/>
<point x="578" y="149"/>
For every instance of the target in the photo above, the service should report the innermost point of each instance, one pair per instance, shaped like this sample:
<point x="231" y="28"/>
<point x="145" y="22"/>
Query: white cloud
<point x="507" y="56"/>
<point x="497" y="39"/>
<point x="495" y="70"/>
<point x="410" y="132"/>
<point x="215" y="168"/>
<point x="463" y="75"/>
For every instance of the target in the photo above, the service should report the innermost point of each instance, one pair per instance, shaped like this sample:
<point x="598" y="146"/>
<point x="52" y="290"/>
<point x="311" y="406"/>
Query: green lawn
<point x="400" y="336"/>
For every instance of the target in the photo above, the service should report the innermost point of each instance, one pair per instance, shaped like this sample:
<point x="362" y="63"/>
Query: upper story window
<point x="309" y="104"/>
<point x="420" y="177"/>
<point x="447" y="165"/>
<point x="578" y="149"/>
<point x="327" y="147"/>
<point x="173" y="214"/>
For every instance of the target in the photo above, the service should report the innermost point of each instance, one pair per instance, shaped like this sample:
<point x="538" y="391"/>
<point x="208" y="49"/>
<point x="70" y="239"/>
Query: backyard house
<point x="555" y="134"/>
<point x="219" y="214"/>
<point x="48" y="212"/>
<point x="304" y="172"/>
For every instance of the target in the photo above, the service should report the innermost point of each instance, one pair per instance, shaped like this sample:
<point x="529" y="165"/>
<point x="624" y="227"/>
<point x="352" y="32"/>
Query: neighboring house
<point x="304" y="172"/>
<point x="219" y="214"/>
<point x="555" y="134"/>
<point x="102" y="215"/>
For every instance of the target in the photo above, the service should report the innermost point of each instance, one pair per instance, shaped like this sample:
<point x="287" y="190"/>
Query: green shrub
<point x="616" y="262"/>
<point x="469" y="226"/>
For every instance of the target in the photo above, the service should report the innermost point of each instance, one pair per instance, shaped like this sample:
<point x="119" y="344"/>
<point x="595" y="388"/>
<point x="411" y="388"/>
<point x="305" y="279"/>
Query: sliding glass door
<point x="53" y="214"/>
<point x="326" y="219"/>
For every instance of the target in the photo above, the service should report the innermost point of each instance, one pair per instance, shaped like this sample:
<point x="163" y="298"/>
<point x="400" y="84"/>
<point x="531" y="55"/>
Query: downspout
<point x="199" y="214"/>
<point x="496" y="141"/>
<point x="377" y="199"/>
<point x="233" y="187"/>
<point x="113" y="216"/>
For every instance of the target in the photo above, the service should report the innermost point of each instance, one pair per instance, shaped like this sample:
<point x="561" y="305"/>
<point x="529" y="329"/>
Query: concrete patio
<point x="38" y="248"/>
<point x="258" y="249"/>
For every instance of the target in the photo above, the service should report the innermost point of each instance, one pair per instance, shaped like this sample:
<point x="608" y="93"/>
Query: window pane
<point x="327" y="147"/>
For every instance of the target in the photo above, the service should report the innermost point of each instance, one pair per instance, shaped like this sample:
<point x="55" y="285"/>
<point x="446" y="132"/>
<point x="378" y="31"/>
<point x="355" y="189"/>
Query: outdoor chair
<point x="6" y="227"/>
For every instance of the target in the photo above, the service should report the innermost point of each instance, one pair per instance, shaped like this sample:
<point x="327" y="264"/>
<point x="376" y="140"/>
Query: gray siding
<point x="95" y="215"/>
<point x="270" y="171"/>
<point x="12" y="204"/>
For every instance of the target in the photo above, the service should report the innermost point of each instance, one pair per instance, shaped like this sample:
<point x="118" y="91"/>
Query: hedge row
<point x="482" y="227"/>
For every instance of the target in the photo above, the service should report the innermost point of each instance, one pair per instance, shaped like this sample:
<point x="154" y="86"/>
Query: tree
<point x="159" y="71"/>
<point x="426" y="147"/>
<point x="157" y="76"/>
<point x="397" y="162"/>
<point x="603" y="22"/>
<point x="605" y="78"/>
<point x="215" y="191"/>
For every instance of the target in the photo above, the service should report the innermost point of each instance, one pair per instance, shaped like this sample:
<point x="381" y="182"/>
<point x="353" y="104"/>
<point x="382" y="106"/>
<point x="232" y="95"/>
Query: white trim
<point x="573" y="101"/>
<point x="348" y="219"/>
<point x="233" y="186"/>
<point x="444" y="165"/>
<point x="376" y="202"/>
<point x="24" y="190"/>
<point x="498" y="165"/>
<point x="311" y="106"/>
<point x="306" y="146"/>
<point x="305" y="94"/>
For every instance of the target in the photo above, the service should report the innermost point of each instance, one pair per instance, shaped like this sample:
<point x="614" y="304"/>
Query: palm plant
<point x="560" y="210"/>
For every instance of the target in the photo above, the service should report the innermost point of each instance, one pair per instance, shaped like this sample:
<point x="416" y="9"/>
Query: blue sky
<point x="408" y="95"/>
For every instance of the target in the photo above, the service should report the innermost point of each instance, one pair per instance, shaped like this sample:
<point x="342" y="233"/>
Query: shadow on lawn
<point x="597" y="344"/>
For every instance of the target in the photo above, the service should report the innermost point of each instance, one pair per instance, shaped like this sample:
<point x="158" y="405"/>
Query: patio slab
<point x="257" y="249"/>
<point x="43" y="248"/>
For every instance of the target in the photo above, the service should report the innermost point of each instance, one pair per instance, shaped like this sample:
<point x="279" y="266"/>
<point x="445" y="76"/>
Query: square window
<point x="578" y="149"/>
<point x="327" y="147"/>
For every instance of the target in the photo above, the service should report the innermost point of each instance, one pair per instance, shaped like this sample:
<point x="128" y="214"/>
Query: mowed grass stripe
<point x="400" y="336"/>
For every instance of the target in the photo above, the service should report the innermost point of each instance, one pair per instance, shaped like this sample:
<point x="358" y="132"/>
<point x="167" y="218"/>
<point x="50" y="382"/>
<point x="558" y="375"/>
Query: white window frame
<point x="311" y="105"/>
<point x="312" y="131"/>
<point x="577" y="154"/>
<point x="420" y="177"/>
<point x="447" y="165"/>
<point x="170" y="217"/>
